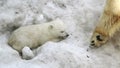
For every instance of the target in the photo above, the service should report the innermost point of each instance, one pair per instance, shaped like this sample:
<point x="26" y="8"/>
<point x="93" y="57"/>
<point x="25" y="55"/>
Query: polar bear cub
<point x="34" y="36"/>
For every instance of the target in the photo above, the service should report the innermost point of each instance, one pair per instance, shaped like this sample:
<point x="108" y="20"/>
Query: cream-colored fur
<point x="35" y="35"/>
<point x="109" y="23"/>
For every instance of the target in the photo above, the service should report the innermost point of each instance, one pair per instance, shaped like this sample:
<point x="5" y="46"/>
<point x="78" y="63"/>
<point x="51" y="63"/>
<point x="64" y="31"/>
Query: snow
<point x="80" y="17"/>
<point x="27" y="53"/>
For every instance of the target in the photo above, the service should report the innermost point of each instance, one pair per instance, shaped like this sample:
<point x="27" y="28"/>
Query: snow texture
<point x="80" y="17"/>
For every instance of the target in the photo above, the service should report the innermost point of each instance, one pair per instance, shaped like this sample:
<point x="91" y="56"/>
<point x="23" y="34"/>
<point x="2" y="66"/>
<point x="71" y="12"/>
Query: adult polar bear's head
<point x="58" y="29"/>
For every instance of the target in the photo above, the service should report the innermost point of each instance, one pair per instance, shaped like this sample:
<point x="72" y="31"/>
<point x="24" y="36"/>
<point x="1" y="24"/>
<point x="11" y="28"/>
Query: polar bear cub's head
<point x="58" y="29"/>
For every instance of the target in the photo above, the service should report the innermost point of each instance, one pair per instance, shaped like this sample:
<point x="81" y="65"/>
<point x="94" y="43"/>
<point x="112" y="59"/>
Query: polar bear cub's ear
<point x="50" y="27"/>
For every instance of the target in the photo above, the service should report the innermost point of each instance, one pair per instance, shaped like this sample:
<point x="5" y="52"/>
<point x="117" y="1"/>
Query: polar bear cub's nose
<point x="67" y="35"/>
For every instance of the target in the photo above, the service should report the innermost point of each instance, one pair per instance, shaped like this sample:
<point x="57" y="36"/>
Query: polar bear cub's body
<point x="36" y="35"/>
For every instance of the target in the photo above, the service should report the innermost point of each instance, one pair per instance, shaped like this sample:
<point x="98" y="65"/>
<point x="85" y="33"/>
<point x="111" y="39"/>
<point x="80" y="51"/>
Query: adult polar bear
<point x="33" y="36"/>
<point x="109" y="24"/>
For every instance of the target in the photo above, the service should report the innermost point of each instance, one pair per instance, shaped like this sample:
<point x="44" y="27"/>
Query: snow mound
<point x="27" y="53"/>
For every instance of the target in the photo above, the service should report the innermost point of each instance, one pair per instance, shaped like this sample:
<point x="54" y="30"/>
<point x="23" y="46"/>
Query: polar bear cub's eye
<point x="62" y="32"/>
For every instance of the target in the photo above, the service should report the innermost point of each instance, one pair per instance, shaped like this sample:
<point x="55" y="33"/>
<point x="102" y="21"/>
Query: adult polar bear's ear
<point x="50" y="27"/>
